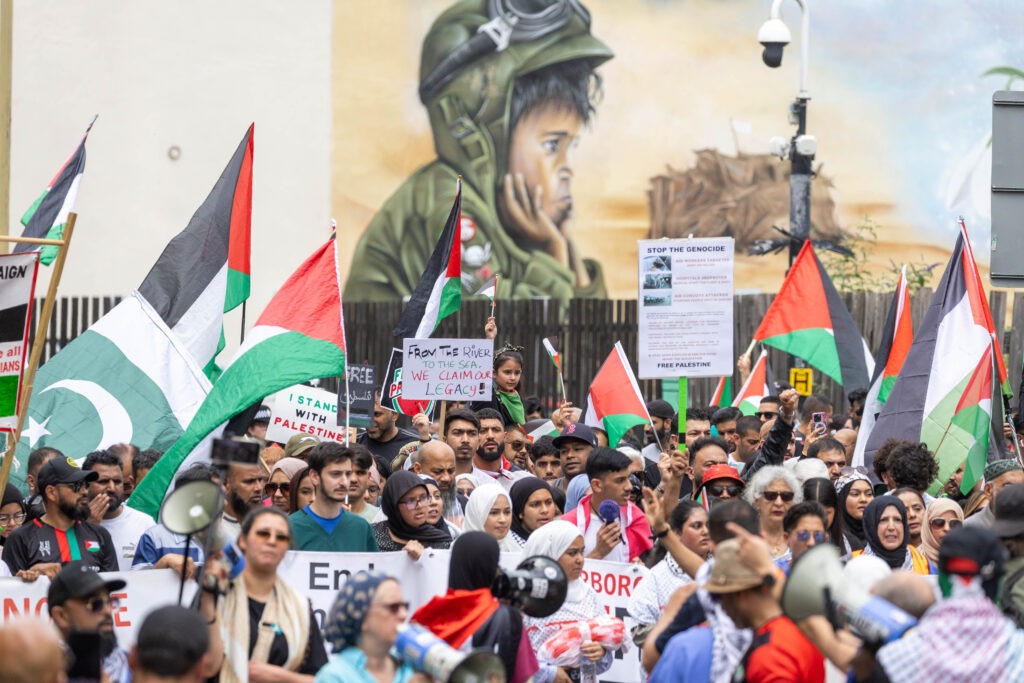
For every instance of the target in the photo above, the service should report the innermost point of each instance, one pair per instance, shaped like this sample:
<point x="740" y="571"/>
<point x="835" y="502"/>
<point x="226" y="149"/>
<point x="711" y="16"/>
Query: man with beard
<point x="487" y="463"/>
<point x="106" y="498"/>
<point x="462" y="433"/>
<point x="324" y="525"/>
<point x="436" y="460"/>
<point x="657" y="433"/>
<point x="362" y="463"/>
<point x="243" y="491"/>
<point x="63" y="533"/>
<point x="384" y="439"/>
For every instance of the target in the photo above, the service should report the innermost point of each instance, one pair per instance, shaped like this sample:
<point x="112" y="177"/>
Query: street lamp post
<point x="801" y="148"/>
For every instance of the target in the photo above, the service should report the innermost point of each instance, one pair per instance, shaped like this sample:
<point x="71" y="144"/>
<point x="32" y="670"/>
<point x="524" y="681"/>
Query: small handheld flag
<point x="550" y="345"/>
<point x="490" y="290"/>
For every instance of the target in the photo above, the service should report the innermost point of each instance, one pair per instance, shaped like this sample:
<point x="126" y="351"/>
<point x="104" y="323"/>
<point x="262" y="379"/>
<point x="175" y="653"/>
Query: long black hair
<point x="821" y="490"/>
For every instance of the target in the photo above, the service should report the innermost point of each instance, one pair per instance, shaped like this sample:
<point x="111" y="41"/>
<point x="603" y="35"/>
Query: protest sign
<point x="17" y="287"/>
<point x="356" y="392"/>
<point x="146" y="590"/>
<point x="447" y="369"/>
<point x="391" y="390"/>
<point x="304" y="410"/>
<point x="685" y="310"/>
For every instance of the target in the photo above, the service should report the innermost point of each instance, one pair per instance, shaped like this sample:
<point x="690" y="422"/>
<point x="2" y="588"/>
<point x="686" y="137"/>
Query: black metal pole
<point x="800" y="174"/>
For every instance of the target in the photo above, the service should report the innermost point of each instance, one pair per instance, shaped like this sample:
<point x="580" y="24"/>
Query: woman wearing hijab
<point x="12" y="516"/>
<point x="362" y="628"/>
<point x="268" y="627"/>
<point x="576" y="490"/>
<point x="533" y="506"/>
<point x="855" y="492"/>
<point x="405" y="501"/>
<point x="490" y="510"/>
<point x="941" y="517"/>
<point x="562" y="542"/>
<point x="279" y="486"/>
<point x="468" y="616"/>
<point x="888" y="536"/>
<point x="436" y="510"/>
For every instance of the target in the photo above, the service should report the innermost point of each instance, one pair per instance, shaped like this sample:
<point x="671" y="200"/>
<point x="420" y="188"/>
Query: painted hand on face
<point x="525" y="210"/>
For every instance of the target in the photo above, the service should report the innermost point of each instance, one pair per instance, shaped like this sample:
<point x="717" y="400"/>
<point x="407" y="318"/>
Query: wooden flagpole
<point x="42" y="327"/>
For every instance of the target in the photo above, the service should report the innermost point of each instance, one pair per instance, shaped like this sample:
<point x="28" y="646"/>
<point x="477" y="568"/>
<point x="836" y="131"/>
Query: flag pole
<point x="40" y="338"/>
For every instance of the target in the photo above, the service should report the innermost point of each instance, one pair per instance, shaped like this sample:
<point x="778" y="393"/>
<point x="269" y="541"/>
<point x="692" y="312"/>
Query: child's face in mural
<point x="538" y="188"/>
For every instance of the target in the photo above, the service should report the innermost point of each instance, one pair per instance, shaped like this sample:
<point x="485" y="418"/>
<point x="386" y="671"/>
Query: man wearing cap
<point x="574" y="444"/>
<point x="299" y="445"/>
<point x="1009" y="526"/>
<point x="779" y="651"/>
<point x="998" y="475"/>
<point x="258" y="427"/>
<point x="175" y="644"/>
<point x="721" y="483"/>
<point x="658" y="431"/>
<point x="63" y="533"/>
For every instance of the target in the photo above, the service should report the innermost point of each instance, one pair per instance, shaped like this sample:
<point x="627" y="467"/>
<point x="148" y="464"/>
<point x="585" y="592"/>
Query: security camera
<point x="774" y="35"/>
<point x="779" y="147"/>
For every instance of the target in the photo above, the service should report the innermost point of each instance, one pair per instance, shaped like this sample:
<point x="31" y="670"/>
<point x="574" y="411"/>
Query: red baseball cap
<point x="716" y="472"/>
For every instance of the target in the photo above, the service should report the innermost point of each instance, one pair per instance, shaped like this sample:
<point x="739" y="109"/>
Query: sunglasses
<point x="17" y="518"/>
<point x="99" y="603"/>
<point x="265" y="534"/>
<point x="717" y="490"/>
<point x="772" y="496"/>
<point x="517" y="445"/>
<point x="272" y="488"/>
<point x="938" y="523"/>
<point x="804" y="535"/>
<point x="415" y="502"/>
<point x="394" y="607"/>
<point x="76" y="486"/>
<point x="765" y="415"/>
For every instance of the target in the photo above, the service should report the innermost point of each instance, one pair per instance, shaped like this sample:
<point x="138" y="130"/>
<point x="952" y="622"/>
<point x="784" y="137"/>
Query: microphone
<point x="609" y="512"/>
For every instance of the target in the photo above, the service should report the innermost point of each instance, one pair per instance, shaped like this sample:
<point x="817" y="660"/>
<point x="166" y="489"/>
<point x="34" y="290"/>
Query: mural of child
<point x="508" y="85"/>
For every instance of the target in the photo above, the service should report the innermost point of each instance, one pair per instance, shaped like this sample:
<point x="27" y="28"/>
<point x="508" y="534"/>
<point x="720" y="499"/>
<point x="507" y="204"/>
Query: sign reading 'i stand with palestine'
<point x="17" y="288"/>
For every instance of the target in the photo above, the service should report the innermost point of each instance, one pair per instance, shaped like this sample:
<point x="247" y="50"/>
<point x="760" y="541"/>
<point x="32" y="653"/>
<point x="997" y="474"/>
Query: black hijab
<point x="872" y="515"/>
<point x="853" y="528"/>
<point x="520" y="493"/>
<point x="399" y="484"/>
<point x="474" y="561"/>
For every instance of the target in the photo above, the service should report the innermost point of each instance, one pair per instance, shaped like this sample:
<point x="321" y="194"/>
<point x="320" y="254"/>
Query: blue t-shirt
<point x="327" y="524"/>
<point x="687" y="657"/>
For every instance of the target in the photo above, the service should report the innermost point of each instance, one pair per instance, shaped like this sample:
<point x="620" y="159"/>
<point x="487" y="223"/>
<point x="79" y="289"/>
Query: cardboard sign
<point x="802" y="380"/>
<point x="361" y="381"/>
<point x="447" y="369"/>
<point x="391" y="390"/>
<point x="304" y="410"/>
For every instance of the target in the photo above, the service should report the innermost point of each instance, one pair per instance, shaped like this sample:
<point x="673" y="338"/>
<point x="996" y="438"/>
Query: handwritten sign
<point x="447" y="369"/>
<point x="304" y="410"/>
<point x="361" y="382"/>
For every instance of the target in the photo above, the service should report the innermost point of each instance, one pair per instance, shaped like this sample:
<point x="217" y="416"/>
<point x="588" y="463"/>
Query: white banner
<point x="146" y="590"/>
<point x="304" y="410"/>
<point x="447" y="369"/>
<point x="685" y="307"/>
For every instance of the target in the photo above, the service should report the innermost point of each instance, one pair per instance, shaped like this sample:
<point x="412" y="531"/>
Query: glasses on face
<point x="272" y="488"/>
<point x="717" y="490"/>
<point x="938" y="523"/>
<point x="415" y="502"/>
<point x="16" y="518"/>
<point x="772" y="496"/>
<point x="265" y="534"/>
<point x="464" y="491"/>
<point x="99" y="603"/>
<point x="517" y="445"/>
<point x="77" y="486"/>
<point x="394" y="607"/>
<point x="766" y="415"/>
<point x="804" y="535"/>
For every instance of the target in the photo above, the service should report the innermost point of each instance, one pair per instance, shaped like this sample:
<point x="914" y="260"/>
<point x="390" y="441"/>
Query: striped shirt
<point x="39" y="543"/>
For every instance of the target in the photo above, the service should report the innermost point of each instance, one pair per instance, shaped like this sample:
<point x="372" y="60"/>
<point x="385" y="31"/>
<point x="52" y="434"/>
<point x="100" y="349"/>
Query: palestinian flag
<point x="489" y="289"/>
<point x="943" y="395"/>
<point x="17" y="289"/>
<point x="136" y="376"/>
<point x="722" y="395"/>
<point x="614" y="400"/>
<point x="204" y="271"/>
<point x="438" y="294"/>
<point x="808" y="320"/>
<point x="755" y="388"/>
<point x="300" y="336"/>
<point x="48" y="215"/>
<point x="551" y="346"/>
<point x="896" y="340"/>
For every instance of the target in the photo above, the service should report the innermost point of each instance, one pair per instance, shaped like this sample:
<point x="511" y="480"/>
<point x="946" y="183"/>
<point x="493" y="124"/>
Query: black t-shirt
<point x="37" y="542"/>
<point x="312" y="661"/>
<point x="387" y="450"/>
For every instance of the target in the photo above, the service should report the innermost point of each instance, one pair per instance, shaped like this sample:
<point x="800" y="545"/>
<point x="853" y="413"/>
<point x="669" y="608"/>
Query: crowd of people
<point x="719" y="506"/>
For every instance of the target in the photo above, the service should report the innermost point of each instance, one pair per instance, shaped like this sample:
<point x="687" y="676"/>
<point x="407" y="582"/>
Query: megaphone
<point x="816" y="587"/>
<point x="192" y="507"/>
<point x="427" y="653"/>
<point x="538" y="586"/>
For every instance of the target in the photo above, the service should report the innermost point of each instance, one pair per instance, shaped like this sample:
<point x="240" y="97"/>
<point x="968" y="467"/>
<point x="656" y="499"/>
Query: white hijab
<point x="551" y="541"/>
<point x="481" y="500"/>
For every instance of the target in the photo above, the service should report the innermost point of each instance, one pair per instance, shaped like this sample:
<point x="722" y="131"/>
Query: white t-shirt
<point x="620" y="553"/>
<point x="125" y="530"/>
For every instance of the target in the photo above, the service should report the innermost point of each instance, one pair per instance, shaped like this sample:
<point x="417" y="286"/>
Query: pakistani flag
<point x="299" y="337"/>
<point x="438" y="294"/>
<point x="614" y="401"/>
<point x="48" y="215"/>
<point x="136" y="376"/>
<point x="17" y="288"/>
<point x="944" y="393"/>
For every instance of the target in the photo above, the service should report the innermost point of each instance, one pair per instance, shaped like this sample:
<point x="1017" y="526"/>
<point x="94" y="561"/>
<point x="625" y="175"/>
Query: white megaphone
<point x="816" y="587"/>
<point x="428" y="654"/>
<point x="190" y="509"/>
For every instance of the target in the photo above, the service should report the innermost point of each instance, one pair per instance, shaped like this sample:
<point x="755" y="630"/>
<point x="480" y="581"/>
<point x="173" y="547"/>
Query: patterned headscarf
<point x="345" y="623"/>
